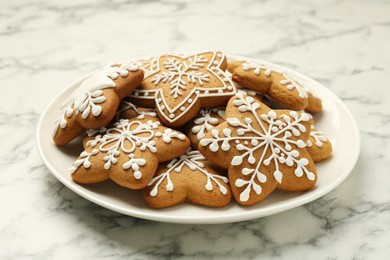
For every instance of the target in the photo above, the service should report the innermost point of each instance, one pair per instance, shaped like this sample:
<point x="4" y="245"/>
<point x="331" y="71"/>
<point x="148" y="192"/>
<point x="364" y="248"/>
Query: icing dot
<point x="159" y="100"/>
<point x="229" y="87"/>
<point x="182" y="108"/>
<point x="216" y="62"/>
<point x="226" y="79"/>
<point x="219" y="55"/>
<point x="212" y="67"/>
<point x="137" y="175"/>
<point x="237" y="142"/>
<point x="197" y="92"/>
<point x="171" y="116"/>
<point x="206" y="92"/>
<point x="246" y="142"/>
<point x="162" y="107"/>
<point x="219" y="73"/>
<point x="220" y="91"/>
<point x="189" y="100"/>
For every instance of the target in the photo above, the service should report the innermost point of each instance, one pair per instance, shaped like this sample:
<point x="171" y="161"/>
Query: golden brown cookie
<point x="128" y="152"/>
<point x="276" y="84"/>
<point x="262" y="149"/>
<point x="314" y="104"/>
<point x="181" y="85"/>
<point x="318" y="145"/>
<point x="129" y="110"/>
<point x="191" y="178"/>
<point x="204" y="122"/>
<point x="95" y="101"/>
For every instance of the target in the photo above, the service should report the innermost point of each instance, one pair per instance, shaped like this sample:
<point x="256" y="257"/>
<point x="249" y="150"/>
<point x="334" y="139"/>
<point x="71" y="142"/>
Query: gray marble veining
<point x="46" y="44"/>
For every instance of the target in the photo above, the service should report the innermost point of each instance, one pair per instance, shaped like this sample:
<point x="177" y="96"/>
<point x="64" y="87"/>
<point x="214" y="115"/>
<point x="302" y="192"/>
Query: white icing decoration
<point x="248" y="92"/>
<point x="126" y="136"/>
<point x="193" y="160"/>
<point x="134" y="163"/>
<point x="205" y="123"/>
<point x="89" y="94"/>
<point x="147" y="64"/>
<point x="274" y="136"/>
<point x="178" y="70"/>
<point x="256" y="67"/>
<point x="291" y="84"/>
<point x="62" y="122"/>
<point x="140" y="114"/>
<point x="92" y="132"/>
<point x="288" y="81"/>
<point x="84" y="160"/>
<point x="318" y="136"/>
<point x="168" y="134"/>
<point x="134" y="133"/>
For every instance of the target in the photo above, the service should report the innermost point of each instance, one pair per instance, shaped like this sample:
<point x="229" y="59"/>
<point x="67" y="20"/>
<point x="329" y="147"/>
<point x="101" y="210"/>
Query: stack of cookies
<point x="195" y="129"/>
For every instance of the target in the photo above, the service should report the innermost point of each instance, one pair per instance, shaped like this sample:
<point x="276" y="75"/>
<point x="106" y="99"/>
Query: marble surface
<point x="44" y="45"/>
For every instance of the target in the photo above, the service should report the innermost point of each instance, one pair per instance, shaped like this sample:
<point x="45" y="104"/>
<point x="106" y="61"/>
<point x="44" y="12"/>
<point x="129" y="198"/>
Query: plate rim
<point x="232" y="217"/>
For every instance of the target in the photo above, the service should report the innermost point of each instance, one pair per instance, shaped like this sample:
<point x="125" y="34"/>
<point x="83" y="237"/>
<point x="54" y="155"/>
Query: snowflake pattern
<point x="176" y="70"/>
<point x="194" y="160"/>
<point x="261" y="139"/>
<point x="178" y="82"/>
<point x="206" y="121"/>
<point x="125" y="137"/>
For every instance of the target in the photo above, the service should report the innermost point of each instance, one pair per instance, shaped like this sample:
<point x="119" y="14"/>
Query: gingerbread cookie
<point x="129" y="110"/>
<point x="276" y="84"/>
<point x="318" y="145"/>
<point x="148" y="64"/>
<point x="95" y="101"/>
<point x="314" y="103"/>
<point x="191" y="178"/>
<point x="180" y="85"/>
<point x="204" y="122"/>
<point x="262" y="149"/>
<point x="128" y="153"/>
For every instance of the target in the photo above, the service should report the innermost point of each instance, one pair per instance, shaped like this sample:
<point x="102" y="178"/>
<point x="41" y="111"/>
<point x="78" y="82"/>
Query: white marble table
<point x="44" y="45"/>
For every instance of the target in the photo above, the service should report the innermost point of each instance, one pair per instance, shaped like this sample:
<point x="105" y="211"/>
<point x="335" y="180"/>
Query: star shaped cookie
<point x="178" y="86"/>
<point x="262" y="149"/>
<point x="128" y="152"/>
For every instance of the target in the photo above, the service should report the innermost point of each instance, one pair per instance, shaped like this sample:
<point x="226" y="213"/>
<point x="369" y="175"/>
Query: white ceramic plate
<point x="335" y="121"/>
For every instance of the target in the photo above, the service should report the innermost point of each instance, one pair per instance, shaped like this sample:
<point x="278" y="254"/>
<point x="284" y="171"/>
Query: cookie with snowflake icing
<point x="276" y="84"/>
<point x="262" y="149"/>
<point x="128" y="152"/>
<point x="190" y="178"/>
<point x="318" y="145"/>
<point x="95" y="101"/>
<point x="180" y="85"/>
<point x="204" y="122"/>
